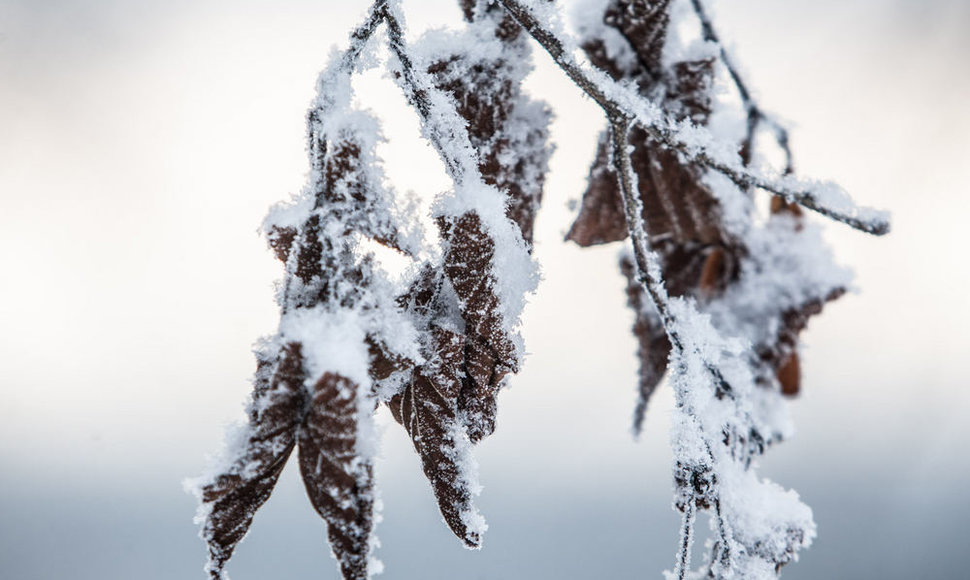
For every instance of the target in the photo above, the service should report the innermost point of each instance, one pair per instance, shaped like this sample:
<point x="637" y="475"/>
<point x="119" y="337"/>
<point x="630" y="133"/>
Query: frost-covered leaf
<point x="509" y="133"/>
<point x="601" y="219"/>
<point x="339" y="482"/>
<point x="468" y="303"/>
<point x="489" y="350"/>
<point x="507" y="129"/>
<point x="644" y="25"/>
<point x="342" y="328"/>
<point x="677" y="206"/>
<point x="230" y="498"/>
<point x="428" y="410"/>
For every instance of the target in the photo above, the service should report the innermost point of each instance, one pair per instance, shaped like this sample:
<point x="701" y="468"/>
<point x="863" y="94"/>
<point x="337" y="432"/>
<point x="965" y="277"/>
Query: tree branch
<point x="648" y="262"/>
<point x="620" y="103"/>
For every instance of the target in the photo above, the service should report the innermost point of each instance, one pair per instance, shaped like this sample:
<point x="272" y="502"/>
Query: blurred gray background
<point x="140" y="145"/>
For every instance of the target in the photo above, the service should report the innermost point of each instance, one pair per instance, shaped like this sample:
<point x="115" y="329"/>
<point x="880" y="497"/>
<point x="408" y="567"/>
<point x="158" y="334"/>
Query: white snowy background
<point x="140" y="146"/>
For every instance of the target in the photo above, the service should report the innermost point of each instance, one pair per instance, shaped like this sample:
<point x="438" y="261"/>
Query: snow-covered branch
<point x="720" y="297"/>
<point x="620" y="102"/>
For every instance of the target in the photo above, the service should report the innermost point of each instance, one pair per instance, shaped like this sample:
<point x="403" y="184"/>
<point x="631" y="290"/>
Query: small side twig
<point x="446" y="143"/>
<point x="756" y="115"/>
<point x="686" y="538"/>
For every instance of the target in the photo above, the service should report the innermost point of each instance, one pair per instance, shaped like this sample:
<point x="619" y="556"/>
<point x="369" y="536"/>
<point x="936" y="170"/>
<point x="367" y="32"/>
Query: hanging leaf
<point x="489" y="351"/>
<point x="338" y="480"/>
<point x="601" y="218"/>
<point x="449" y="402"/>
<point x="721" y="304"/>
<point x="306" y="398"/>
<point x="428" y="410"/>
<point x="231" y="498"/>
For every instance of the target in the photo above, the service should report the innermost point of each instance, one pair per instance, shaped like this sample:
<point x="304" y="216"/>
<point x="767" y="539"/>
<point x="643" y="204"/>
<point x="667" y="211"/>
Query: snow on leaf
<point x="229" y="499"/>
<point x="341" y="327"/>
<point x="466" y="86"/>
<point x="644" y="26"/>
<point x="428" y="410"/>
<point x="490" y="352"/>
<point x="339" y="482"/>
<point x="508" y="130"/>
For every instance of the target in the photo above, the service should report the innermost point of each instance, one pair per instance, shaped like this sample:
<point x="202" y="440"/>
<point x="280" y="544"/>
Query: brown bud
<point x="712" y="272"/>
<point x="790" y="375"/>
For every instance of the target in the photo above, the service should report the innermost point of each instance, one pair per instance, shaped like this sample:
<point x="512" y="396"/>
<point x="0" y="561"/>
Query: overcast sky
<point x="141" y="144"/>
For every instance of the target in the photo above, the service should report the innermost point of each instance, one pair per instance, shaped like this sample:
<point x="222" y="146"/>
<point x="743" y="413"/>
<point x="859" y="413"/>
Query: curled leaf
<point x="489" y="350"/>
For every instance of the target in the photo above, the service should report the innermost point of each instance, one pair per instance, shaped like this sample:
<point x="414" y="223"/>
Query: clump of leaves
<point x="719" y="296"/>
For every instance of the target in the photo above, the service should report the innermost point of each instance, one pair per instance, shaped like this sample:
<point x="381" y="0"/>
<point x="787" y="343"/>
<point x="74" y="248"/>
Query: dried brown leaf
<point x="468" y="265"/>
<point x="281" y="240"/>
<point x="782" y="356"/>
<point x="644" y="24"/>
<point x="689" y="93"/>
<point x="677" y="205"/>
<point x="601" y="219"/>
<point x="489" y="351"/>
<point x="233" y="497"/>
<point x="346" y="189"/>
<point x="789" y="375"/>
<point x="323" y="268"/>
<point x="339" y="482"/>
<point x="512" y="151"/>
<point x="428" y="410"/>
<point x="780" y="206"/>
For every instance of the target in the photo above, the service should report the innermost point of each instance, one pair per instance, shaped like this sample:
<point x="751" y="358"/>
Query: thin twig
<point x="621" y="103"/>
<point x="444" y="141"/>
<point x="648" y="273"/>
<point x="647" y="261"/>
<point x="756" y="115"/>
<point x="361" y="34"/>
<point x="722" y="531"/>
<point x="686" y="537"/>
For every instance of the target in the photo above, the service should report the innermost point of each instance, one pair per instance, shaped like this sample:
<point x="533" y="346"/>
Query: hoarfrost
<point x="723" y="293"/>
